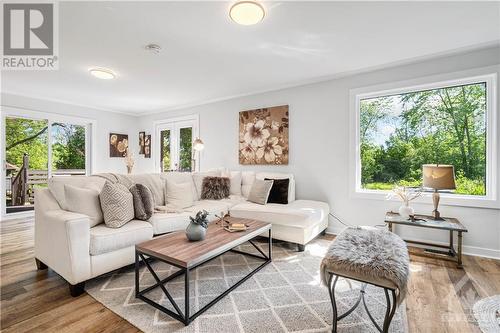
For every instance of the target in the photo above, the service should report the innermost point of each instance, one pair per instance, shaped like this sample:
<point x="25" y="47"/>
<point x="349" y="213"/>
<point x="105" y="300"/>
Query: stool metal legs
<point x="389" y="313"/>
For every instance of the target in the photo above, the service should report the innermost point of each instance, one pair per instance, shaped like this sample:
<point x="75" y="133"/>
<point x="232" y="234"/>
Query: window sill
<point x="426" y="198"/>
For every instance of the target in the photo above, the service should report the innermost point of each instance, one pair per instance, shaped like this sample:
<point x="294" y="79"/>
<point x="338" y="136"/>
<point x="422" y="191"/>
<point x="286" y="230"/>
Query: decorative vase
<point x="405" y="210"/>
<point x="129" y="169"/>
<point x="195" y="232"/>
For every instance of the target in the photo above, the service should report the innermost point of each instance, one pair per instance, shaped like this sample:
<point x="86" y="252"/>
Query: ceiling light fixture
<point x="153" y="48"/>
<point x="102" y="73"/>
<point x="247" y="12"/>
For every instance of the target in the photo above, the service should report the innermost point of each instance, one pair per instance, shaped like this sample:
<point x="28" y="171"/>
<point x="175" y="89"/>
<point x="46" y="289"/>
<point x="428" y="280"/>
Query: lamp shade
<point x="439" y="177"/>
<point x="198" y="144"/>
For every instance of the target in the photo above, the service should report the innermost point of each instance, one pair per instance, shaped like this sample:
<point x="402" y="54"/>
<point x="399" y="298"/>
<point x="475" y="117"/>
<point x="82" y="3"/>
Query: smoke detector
<point x="153" y="48"/>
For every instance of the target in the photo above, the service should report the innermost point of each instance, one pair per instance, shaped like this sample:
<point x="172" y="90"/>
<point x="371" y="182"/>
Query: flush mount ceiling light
<point x="102" y="73"/>
<point x="153" y="48"/>
<point x="247" y="12"/>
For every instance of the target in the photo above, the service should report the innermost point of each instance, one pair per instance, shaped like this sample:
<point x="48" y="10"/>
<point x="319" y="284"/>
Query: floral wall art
<point x="264" y="136"/>
<point x="118" y="144"/>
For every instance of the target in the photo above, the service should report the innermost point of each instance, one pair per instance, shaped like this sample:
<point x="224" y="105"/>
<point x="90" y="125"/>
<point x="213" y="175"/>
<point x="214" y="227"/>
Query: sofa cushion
<point x="104" y="239"/>
<point x="56" y="186"/>
<point x="154" y="182"/>
<point x="213" y="207"/>
<point x="299" y="213"/>
<point x="180" y="195"/>
<point x="215" y="188"/>
<point x="247" y="179"/>
<point x="260" y="191"/>
<point x="279" y="191"/>
<point x="280" y="175"/>
<point x="144" y="203"/>
<point x="84" y="201"/>
<point x="235" y="179"/>
<point x="117" y="204"/>
<point x="168" y="222"/>
<point x="178" y="178"/>
<point x="198" y="181"/>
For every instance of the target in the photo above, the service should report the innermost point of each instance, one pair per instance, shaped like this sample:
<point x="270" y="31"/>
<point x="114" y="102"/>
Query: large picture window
<point x="399" y="131"/>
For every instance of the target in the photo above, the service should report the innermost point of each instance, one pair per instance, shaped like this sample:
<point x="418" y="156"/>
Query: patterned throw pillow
<point x="215" y="188"/>
<point x="117" y="204"/>
<point x="144" y="203"/>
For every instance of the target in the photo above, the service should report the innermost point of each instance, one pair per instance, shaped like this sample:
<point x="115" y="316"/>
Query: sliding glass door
<point x="36" y="149"/>
<point x="175" y="145"/>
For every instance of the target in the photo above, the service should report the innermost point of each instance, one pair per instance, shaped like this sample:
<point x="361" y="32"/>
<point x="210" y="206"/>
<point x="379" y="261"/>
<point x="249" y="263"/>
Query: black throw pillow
<point x="279" y="191"/>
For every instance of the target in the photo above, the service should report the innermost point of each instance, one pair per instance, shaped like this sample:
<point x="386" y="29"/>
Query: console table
<point x="424" y="221"/>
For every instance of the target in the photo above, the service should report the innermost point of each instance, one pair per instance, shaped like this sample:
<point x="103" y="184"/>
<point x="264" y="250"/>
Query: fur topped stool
<point x="370" y="256"/>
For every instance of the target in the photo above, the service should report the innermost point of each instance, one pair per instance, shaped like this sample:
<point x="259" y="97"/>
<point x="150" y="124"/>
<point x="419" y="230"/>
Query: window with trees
<point x="401" y="131"/>
<point x="35" y="150"/>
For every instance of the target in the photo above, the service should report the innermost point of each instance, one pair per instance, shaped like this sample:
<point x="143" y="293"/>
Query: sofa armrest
<point x="62" y="238"/>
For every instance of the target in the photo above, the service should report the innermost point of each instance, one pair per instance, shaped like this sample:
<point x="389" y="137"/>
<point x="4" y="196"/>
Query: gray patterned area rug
<point x="285" y="296"/>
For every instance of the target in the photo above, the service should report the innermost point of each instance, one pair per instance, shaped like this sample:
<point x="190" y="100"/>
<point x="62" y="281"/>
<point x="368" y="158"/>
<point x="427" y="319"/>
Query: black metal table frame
<point x="185" y="318"/>
<point x="451" y="255"/>
<point x="389" y="313"/>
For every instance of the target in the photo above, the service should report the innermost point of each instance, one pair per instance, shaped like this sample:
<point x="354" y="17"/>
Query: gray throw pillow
<point x="143" y="201"/>
<point x="215" y="188"/>
<point x="117" y="204"/>
<point x="260" y="191"/>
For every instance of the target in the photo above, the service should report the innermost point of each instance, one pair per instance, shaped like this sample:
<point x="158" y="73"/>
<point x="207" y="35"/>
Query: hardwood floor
<point x="440" y="296"/>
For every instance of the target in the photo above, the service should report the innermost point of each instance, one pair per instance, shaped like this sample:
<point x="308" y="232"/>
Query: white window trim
<point x="491" y="200"/>
<point x="155" y="137"/>
<point x="90" y="144"/>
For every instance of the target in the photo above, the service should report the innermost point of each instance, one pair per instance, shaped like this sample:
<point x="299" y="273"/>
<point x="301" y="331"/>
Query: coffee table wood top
<point x="176" y="249"/>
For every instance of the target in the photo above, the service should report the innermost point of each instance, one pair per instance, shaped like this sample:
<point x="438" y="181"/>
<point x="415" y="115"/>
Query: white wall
<point x="105" y="122"/>
<point x="319" y="145"/>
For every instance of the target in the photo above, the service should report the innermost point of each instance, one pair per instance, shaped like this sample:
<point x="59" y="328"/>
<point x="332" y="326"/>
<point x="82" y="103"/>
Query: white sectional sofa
<point x="66" y="242"/>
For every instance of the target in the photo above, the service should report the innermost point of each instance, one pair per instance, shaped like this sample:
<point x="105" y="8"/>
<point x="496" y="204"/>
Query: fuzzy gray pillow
<point x="215" y="188"/>
<point x="143" y="201"/>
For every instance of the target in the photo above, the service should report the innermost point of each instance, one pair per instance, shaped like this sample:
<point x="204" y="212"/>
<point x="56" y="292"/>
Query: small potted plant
<point x="406" y="194"/>
<point x="197" y="228"/>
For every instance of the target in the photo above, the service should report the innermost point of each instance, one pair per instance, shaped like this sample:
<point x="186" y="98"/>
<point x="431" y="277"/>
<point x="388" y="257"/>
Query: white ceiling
<point x="205" y="56"/>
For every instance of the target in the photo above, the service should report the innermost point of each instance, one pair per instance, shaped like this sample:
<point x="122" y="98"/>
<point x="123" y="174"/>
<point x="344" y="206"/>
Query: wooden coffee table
<point x="175" y="249"/>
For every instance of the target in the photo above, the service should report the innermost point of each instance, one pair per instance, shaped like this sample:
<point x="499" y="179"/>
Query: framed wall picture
<point x="118" y="144"/>
<point x="142" y="136"/>
<point x="263" y="136"/>
<point x="147" y="146"/>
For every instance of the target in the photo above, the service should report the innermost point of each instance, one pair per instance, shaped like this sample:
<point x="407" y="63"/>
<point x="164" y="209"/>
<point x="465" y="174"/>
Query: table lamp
<point x="438" y="177"/>
<point x="198" y="146"/>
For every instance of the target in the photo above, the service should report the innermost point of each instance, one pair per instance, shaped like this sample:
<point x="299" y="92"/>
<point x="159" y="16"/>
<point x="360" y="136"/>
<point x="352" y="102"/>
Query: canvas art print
<point x="147" y="146"/>
<point x="142" y="136"/>
<point x="264" y="136"/>
<point x="118" y="144"/>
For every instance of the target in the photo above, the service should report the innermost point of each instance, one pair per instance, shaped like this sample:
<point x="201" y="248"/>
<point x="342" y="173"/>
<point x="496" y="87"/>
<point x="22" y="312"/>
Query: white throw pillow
<point x="180" y="195"/>
<point x="247" y="179"/>
<point x="84" y="201"/>
<point x="260" y="191"/>
<point x="198" y="180"/>
<point x="235" y="178"/>
<point x="117" y="204"/>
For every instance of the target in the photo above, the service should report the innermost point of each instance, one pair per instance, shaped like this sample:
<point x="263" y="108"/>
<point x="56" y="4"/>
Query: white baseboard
<point x="19" y="215"/>
<point x="467" y="249"/>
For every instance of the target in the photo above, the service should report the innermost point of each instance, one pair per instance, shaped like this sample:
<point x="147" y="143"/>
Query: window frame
<point x="174" y="125"/>
<point x="490" y="200"/>
<point x="15" y="112"/>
